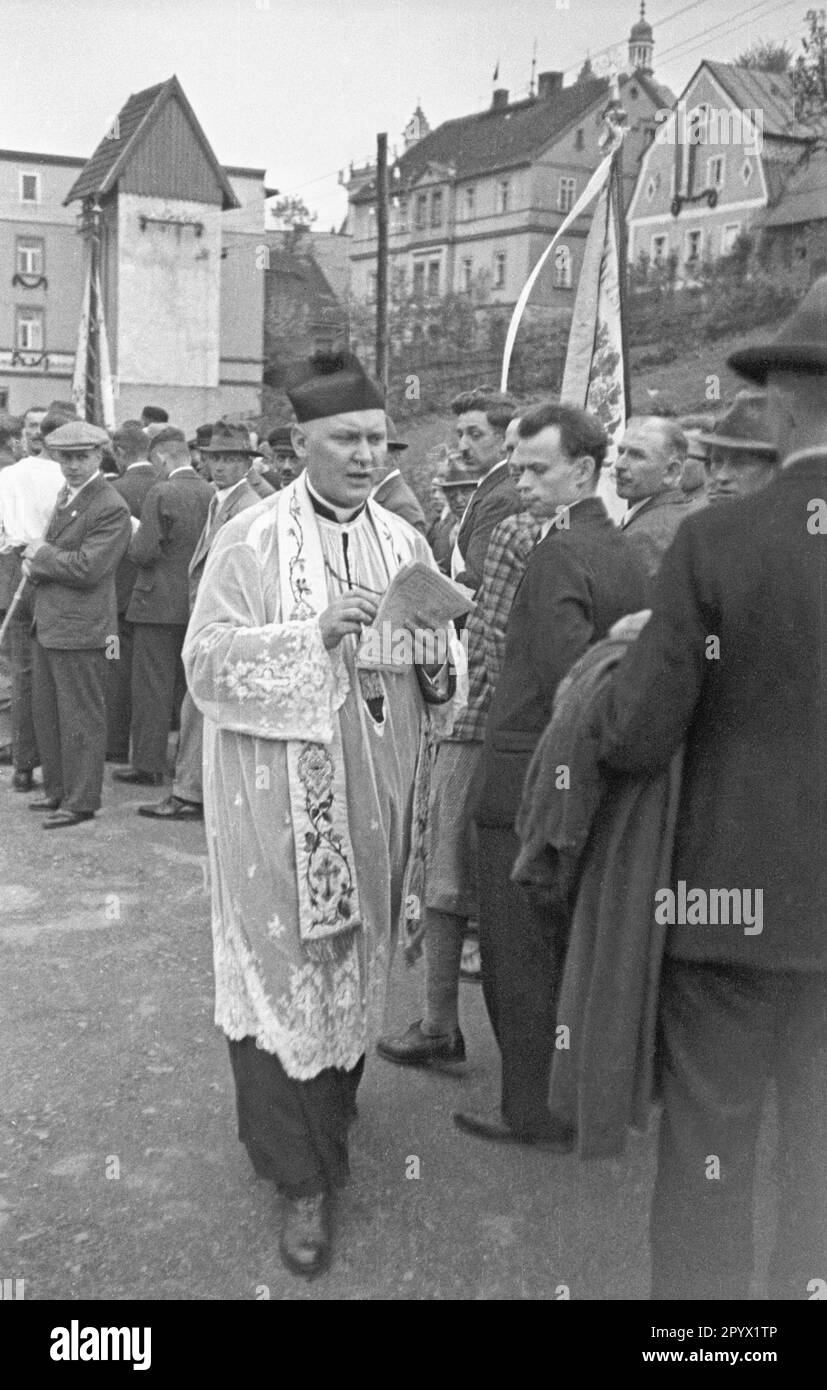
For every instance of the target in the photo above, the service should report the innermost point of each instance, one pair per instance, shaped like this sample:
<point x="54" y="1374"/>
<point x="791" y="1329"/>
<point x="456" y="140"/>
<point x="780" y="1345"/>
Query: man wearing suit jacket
<point x="137" y="475"/>
<point x="75" y="617"/>
<point x="648" y="472"/>
<point x="172" y="520"/>
<point x="392" y="492"/>
<point x="482" y="417"/>
<point x="228" y="454"/>
<point x="580" y="578"/>
<point x="732" y="662"/>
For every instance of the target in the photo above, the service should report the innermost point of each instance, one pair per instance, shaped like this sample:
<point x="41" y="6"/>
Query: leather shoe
<point x="24" y="781"/>
<point x="173" y="808"/>
<point x="306" y="1239"/>
<point x="46" y="803"/>
<point x="554" y="1136"/>
<point x="62" y="819"/>
<point x="416" y="1049"/>
<point x="135" y="778"/>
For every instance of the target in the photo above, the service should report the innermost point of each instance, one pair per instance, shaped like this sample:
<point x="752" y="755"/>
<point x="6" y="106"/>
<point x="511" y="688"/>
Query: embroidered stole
<point x="328" y="893"/>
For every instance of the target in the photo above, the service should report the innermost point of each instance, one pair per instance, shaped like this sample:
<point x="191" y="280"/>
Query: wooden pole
<point x="91" y="399"/>
<point x="622" y="271"/>
<point x="382" y="259"/>
<point x="10" y="611"/>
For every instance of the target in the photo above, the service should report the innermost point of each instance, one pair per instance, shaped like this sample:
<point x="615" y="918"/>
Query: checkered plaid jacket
<point x="512" y="541"/>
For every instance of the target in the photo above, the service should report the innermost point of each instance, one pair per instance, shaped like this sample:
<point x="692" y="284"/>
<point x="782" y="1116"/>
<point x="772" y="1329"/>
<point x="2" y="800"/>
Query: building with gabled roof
<point x="792" y="229"/>
<point x="721" y="158"/>
<point x="181" y="251"/>
<point x="476" y="200"/>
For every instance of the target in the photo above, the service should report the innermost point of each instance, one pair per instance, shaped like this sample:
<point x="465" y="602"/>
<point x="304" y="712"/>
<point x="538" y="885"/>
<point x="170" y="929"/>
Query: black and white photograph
<point x="413" y="664"/>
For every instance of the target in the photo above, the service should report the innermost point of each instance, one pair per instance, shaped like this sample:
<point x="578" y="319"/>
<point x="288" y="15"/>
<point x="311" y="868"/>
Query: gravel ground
<point x="120" y="1173"/>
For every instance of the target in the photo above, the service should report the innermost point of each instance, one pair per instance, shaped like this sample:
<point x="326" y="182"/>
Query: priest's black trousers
<point x="295" y="1131"/>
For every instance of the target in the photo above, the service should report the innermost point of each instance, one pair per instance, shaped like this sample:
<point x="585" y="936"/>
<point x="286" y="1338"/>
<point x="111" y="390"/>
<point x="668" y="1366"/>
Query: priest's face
<point x="342" y="453"/>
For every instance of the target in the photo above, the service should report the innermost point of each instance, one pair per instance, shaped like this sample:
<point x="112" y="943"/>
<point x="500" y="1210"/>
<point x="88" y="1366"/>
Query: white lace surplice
<point x="260" y="681"/>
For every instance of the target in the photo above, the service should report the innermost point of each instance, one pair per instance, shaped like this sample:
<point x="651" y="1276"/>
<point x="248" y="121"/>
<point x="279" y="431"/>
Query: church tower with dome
<point x="641" y="44"/>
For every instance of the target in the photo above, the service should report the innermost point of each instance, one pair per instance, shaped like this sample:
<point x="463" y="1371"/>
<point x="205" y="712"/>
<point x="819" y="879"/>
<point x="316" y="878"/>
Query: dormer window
<point x="436" y="208"/>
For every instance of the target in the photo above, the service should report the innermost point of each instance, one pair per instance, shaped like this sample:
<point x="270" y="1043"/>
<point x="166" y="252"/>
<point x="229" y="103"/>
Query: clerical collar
<point x="326" y="509"/>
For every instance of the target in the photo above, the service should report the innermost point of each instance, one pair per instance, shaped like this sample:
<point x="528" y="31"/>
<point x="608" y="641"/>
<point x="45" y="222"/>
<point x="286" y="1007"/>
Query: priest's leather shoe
<point x="135" y="778"/>
<point x="553" y="1136"/>
<point x="24" y="781"/>
<point x="417" y="1049"/>
<point x="46" y="803"/>
<point x="173" y="808"/>
<point x="61" y="820"/>
<point x="306" y="1241"/>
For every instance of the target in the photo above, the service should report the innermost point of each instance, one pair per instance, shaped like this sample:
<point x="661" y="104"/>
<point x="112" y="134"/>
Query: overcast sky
<point x="300" y="87"/>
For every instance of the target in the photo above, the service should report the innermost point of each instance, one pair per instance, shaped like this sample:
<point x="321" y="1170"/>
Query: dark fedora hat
<point x="203" y="435"/>
<point x="744" y="426"/>
<point x="800" y="346"/>
<point x="395" y="444"/>
<point x="281" y="437"/>
<point x="228" y="439"/>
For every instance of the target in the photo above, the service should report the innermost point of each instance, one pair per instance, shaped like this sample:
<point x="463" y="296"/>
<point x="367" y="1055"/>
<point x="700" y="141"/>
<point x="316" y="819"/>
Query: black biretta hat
<point x="332" y="383"/>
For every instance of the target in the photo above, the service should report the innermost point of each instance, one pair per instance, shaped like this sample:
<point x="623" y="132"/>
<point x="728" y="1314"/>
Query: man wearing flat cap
<point x="311" y="753"/>
<point x="732" y="664"/>
<point x="72" y="571"/>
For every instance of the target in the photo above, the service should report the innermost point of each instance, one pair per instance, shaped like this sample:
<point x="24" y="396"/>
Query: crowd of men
<point x="693" y="637"/>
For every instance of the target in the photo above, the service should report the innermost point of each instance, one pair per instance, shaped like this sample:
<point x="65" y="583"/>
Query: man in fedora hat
<point x="731" y="664"/>
<point x="172" y="519"/>
<point x="742" y="457"/>
<point x="228" y="453"/>
<point x="391" y="491"/>
<point x="311" y="755"/>
<point x="72" y="571"/>
<point x="285" y="465"/>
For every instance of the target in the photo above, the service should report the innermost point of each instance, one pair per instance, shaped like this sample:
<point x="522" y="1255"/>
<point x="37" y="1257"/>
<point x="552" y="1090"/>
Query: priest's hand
<point x="347" y="614"/>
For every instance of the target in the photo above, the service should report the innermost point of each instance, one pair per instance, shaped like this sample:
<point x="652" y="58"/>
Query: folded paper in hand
<point x="419" y="598"/>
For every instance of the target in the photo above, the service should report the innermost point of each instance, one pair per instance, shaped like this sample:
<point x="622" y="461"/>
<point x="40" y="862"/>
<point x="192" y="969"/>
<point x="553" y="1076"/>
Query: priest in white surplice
<point x="310" y="763"/>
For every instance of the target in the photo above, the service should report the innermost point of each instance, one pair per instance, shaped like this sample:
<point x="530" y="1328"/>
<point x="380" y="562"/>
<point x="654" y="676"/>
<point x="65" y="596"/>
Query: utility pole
<point x="382" y="259"/>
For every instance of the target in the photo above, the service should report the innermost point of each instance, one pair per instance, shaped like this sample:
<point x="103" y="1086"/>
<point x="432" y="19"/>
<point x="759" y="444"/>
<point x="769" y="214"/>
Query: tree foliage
<point x="810" y="72"/>
<point x="766" y="56"/>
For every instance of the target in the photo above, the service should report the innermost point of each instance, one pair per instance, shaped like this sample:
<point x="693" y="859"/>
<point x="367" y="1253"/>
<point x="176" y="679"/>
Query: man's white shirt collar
<point x="73" y="491"/>
<point x="394" y="473"/>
